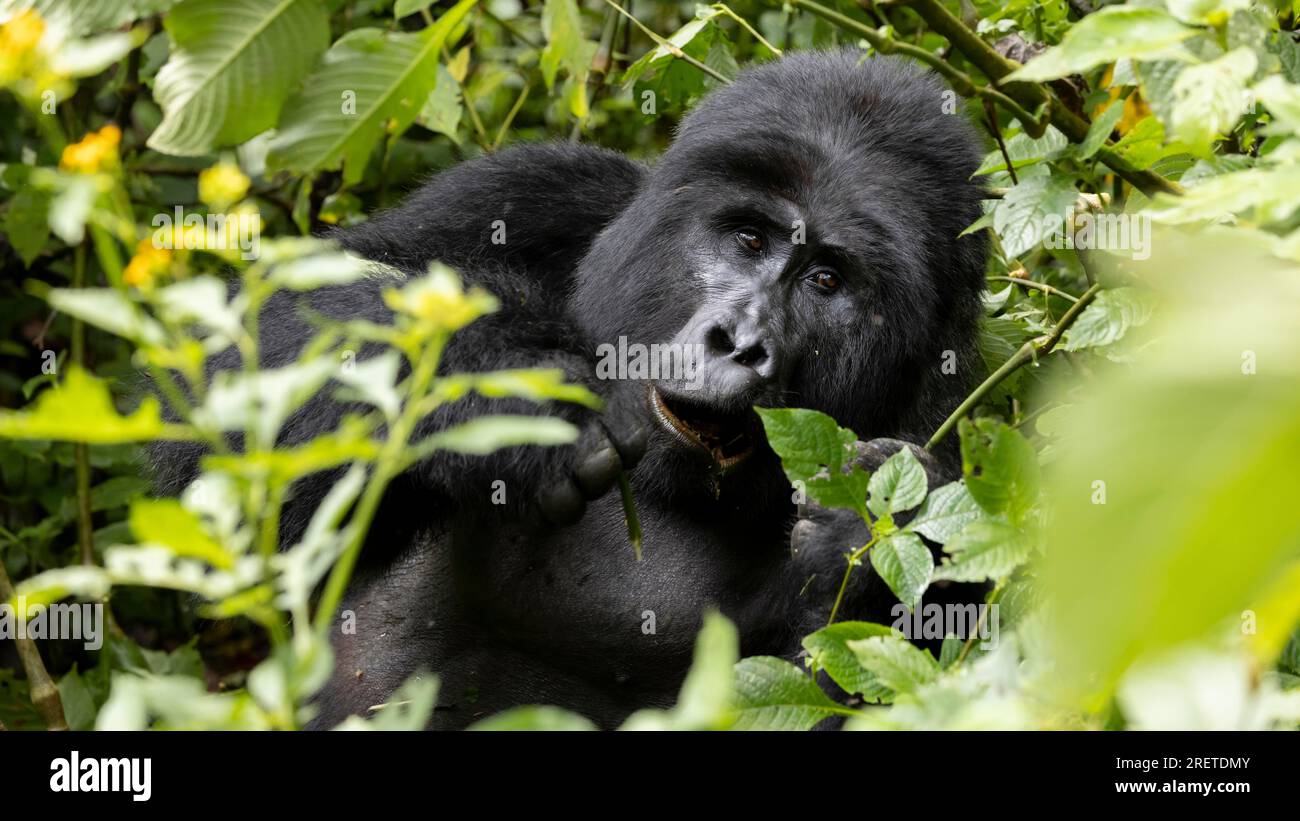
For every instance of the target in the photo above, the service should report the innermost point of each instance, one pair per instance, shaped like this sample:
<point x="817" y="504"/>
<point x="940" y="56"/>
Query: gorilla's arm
<point x="551" y="201"/>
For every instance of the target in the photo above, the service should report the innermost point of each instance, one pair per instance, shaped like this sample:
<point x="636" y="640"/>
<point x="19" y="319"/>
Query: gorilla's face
<point x="805" y="258"/>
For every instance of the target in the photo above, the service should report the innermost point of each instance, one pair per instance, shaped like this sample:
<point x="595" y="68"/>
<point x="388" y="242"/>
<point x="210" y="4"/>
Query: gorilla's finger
<point x="801" y="534"/>
<point x="562" y="504"/>
<point x="629" y="437"/>
<point x="598" y="472"/>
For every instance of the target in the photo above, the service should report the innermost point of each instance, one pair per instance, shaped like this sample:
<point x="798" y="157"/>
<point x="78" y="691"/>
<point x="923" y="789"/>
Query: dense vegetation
<point x="1130" y="462"/>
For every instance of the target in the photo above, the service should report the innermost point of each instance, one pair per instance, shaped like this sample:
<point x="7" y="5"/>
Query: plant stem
<point x="81" y="451"/>
<point x="667" y="46"/>
<point x="996" y="67"/>
<point x="1028" y="352"/>
<point x="44" y="692"/>
<point x="854" y="558"/>
<point x="979" y="623"/>
<point x="387" y="467"/>
<point x="1038" y="286"/>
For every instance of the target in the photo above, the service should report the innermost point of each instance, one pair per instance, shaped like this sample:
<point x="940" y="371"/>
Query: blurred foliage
<point x="1128" y="464"/>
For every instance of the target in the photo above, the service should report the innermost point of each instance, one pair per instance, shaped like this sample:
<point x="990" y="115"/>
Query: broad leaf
<point x="232" y="64"/>
<point x="370" y="84"/>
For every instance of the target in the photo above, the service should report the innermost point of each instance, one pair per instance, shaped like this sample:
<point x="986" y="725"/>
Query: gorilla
<point x="802" y="235"/>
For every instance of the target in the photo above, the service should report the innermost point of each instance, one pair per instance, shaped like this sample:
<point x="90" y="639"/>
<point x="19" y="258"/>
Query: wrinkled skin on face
<point x="800" y="240"/>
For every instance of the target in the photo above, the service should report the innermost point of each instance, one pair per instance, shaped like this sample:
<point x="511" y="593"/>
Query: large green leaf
<point x="830" y="652"/>
<point x="1027" y="213"/>
<point x="1197" y="451"/>
<point x="81" y="410"/>
<point x="905" y="563"/>
<point x="1210" y="97"/>
<point x="1108" y="318"/>
<point x="773" y="694"/>
<point x="898" y="665"/>
<point x="1104" y="37"/>
<point x="232" y="64"/>
<point x="370" y="84"/>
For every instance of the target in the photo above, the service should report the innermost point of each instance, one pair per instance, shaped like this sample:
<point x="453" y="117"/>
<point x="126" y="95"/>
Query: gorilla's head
<point x="800" y="238"/>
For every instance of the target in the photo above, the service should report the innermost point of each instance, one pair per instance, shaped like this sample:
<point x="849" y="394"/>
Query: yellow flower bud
<point x="222" y="185"/>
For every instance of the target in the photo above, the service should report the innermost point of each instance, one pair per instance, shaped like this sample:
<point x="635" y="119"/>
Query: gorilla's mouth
<point x="726" y="437"/>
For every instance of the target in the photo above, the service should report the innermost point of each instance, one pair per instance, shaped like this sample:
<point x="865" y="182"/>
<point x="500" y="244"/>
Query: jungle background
<point x="1130" y="456"/>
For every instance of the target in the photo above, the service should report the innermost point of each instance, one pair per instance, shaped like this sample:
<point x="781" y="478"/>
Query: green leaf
<point x="1027" y="213"/>
<point x="773" y="694"/>
<point x="946" y="512"/>
<point x="1100" y="129"/>
<point x="81" y="410"/>
<point x="1143" y="144"/>
<point x="1197" y="450"/>
<point x="405" y="8"/>
<point x="78" y="703"/>
<point x="409" y="709"/>
<point x="1108" y="318"/>
<point x="534" y="719"/>
<point x="485" y="434"/>
<point x="535" y="384"/>
<point x="984" y="549"/>
<point x="442" y="109"/>
<point x="25" y="223"/>
<point x="1283" y="101"/>
<point x="896" y="664"/>
<point x="830" y="652"/>
<point x="164" y="522"/>
<point x="672" y="82"/>
<point x="1209" y="98"/>
<point x="705" y="699"/>
<point x="565" y="47"/>
<point x="1025" y="150"/>
<point x="232" y="64"/>
<point x="1272" y="194"/>
<point x="1104" y="37"/>
<point x="814" y="451"/>
<point x="905" y="563"/>
<point x="898" y="485"/>
<point x="109" y="309"/>
<point x="999" y="466"/>
<point x="369" y="84"/>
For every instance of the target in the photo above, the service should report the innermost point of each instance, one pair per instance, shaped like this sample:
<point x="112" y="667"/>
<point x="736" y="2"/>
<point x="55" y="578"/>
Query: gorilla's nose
<point x="748" y="347"/>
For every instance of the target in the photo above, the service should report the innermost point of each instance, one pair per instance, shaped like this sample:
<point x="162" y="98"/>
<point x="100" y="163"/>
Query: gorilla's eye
<point x="750" y="240"/>
<point x="825" y="279"/>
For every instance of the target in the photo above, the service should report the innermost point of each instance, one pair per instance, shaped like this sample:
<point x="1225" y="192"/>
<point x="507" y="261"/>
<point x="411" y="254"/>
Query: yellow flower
<point x="21" y="34"/>
<point x="440" y="301"/>
<point x="96" y="152"/>
<point x="147" y="265"/>
<point x="222" y="185"/>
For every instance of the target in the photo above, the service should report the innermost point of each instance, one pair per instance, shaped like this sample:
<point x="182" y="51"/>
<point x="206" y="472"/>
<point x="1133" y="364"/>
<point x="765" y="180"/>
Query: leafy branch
<point x="1028" y="352"/>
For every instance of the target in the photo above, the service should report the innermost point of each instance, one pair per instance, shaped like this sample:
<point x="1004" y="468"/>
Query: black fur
<point x="540" y="601"/>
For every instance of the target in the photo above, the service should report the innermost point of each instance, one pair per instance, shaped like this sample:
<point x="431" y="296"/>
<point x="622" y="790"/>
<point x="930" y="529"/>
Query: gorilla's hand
<point x="610" y="442"/>
<point x="821" y="536"/>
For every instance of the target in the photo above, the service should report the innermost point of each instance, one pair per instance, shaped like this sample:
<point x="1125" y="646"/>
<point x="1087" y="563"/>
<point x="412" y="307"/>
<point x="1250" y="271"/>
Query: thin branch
<point x="667" y="46"/>
<point x="996" y="67"/>
<point x="1028" y="352"/>
<point x="1039" y="286"/>
<point x="961" y="83"/>
<point x="44" y="693"/>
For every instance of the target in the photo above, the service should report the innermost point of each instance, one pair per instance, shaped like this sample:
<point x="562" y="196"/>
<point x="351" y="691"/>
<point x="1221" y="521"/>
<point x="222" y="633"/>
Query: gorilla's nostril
<point x="751" y="357"/>
<point x="720" y="341"/>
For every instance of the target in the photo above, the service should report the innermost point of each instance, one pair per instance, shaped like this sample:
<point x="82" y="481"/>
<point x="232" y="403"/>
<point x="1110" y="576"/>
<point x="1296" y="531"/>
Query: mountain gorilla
<point x="802" y="233"/>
